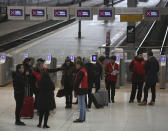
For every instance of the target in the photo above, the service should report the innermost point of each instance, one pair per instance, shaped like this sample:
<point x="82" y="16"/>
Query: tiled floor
<point x="120" y="116"/>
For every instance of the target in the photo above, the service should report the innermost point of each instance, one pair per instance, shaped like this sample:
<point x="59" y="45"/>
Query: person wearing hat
<point x="152" y="68"/>
<point x="67" y="80"/>
<point x="111" y="71"/>
<point x="138" y="76"/>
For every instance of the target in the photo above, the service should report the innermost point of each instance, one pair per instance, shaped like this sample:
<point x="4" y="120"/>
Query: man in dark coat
<point x="19" y="91"/>
<point x="138" y="77"/>
<point x="67" y="80"/>
<point x="28" y="67"/>
<point x="99" y="64"/>
<point x="152" y="69"/>
<point x="44" y="104"/>
<point x="91" y="70"/>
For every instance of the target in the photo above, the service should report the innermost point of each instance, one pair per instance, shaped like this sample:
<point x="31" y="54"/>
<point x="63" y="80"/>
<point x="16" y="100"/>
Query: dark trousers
<point x="110" y="86"/>
<point x="153" y="91"/>
<point x="68" y="97"/>
<point x="89" y="98"/>
<point x="45" y="114"/>
<point x="136" y="86"/>
<point x="97" y="83"/>
<point x="19" y="103"/>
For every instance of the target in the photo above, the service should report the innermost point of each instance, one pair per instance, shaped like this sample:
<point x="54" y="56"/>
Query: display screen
<point x="151" y="13"/>
<point x="16" y="12"/>
<point x="49" y="58"/>
<point x="3" y="57"/>
<point x="38" y="12"/>
<point x="60" y="13"/>
<point x="105" y="13"/>
<point x="94" y="58"/>
<point x="83" y="13"/>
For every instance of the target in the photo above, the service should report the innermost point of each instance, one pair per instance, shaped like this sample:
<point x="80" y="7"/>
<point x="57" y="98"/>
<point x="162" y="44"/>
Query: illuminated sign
<point x="72" y="58"/>
<point x="94" y="58"/>
<point x="105" y="13"/>
<point x="38" y="12"/>
<point x="26" y="56"/>
<point x="3" y="57"/>
<point x="60" y="13"/>
<point x="83" y="13"/>
<point x="48" y="58"/>
<point x="16" y="12"/>
<point x="151" y="13"/>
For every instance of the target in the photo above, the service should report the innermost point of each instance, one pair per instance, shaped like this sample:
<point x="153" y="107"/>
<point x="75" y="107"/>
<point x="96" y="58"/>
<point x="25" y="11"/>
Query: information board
<point x="38" y="13"/>
<point x="60" y="13"/>
<point x="106" y="14"/>
<point x="84" y="13"/>
<point x="151" y="14"/>
<point x="16" y="13"/>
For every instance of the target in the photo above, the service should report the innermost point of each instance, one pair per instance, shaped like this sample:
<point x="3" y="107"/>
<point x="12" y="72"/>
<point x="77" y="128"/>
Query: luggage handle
<point x="28" y="87"/>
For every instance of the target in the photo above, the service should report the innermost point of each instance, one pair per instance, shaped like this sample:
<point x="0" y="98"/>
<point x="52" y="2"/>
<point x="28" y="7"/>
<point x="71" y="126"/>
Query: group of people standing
<point x="81" y="77"/>
<point x="144" y="72"/>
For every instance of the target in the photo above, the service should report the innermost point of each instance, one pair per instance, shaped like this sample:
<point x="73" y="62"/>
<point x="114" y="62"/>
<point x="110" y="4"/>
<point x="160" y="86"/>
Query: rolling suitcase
<point x="97" y="100"/>
<point x="104" y="95"/>
<point x="27" y="110"/>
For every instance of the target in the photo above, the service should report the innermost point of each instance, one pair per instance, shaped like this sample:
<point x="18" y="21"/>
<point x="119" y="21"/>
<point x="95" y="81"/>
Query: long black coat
<point x="45" y="96"/>
<point x="68" y="77"/>
<point x="152" y="69"/>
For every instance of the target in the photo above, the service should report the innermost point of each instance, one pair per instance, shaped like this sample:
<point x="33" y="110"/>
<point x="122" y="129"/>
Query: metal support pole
<point x="112" y="3"/>
<point x="79" y="28"/>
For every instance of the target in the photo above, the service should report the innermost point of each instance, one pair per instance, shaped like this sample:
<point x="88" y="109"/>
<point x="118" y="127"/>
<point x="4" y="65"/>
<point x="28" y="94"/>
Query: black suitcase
<point x="96" y="101"/>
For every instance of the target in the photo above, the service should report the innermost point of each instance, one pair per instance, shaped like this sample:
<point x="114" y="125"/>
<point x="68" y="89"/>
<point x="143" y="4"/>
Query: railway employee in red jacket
<point x="81" y="89"/>
<point x="111" y="71"/>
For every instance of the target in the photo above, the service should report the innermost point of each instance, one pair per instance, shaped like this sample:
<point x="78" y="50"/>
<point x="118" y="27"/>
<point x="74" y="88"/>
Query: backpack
<point x="139" y="67"/>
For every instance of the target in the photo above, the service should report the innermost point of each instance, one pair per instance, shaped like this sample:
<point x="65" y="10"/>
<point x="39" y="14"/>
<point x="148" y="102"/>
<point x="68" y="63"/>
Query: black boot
<point x="46" y="120"/>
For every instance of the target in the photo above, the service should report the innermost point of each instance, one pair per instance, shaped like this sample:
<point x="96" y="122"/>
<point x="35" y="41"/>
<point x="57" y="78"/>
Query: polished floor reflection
<point x="120" y="116"/>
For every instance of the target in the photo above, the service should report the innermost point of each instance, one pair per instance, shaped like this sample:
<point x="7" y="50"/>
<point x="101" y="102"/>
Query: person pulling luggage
<point x="111" y="71"/>
<point x="81" y="89"/>
<point x="138" y="76"/>
<point x="19" y="92"/>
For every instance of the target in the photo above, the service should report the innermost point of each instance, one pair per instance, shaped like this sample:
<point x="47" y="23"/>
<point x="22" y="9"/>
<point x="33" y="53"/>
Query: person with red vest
<point x="138" y="76"/>
<point x="81" y="89"/>
<point x="111" y="71"/>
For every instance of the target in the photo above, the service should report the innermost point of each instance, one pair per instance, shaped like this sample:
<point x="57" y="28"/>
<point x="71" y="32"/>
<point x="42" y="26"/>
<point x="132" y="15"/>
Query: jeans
<point x="138" y="85"/>
<point x="82" y="107"/>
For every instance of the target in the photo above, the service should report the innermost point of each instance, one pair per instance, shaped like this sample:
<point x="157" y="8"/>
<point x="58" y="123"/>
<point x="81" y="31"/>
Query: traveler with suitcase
<point x="81" y="89"/>
<point x="44" y="104"/>
<point x="19" y="92"/>
<point x="111" y="71"/>
<point x="99" y="72"/>
<point x="138" y="77"/>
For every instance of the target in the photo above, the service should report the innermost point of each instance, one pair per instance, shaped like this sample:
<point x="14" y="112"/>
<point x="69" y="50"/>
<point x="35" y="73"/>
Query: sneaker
<point x="152" y="103"/>
<point x="19" y="123"/>
<point x="144" y="103"/>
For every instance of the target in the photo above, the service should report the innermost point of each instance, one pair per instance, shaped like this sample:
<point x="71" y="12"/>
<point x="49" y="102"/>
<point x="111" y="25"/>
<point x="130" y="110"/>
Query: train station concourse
<point x="83" y="65"/>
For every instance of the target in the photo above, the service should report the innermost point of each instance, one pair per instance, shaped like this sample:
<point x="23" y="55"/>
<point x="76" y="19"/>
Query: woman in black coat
<point x="45" y="100"/>
<point x="67" y="80"/>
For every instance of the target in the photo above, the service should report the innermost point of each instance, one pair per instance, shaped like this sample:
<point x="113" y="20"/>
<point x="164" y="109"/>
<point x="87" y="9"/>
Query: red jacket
<point x="109" y="69"/>
<point x="38" y="76"/>
<point x="81" y="82"/>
